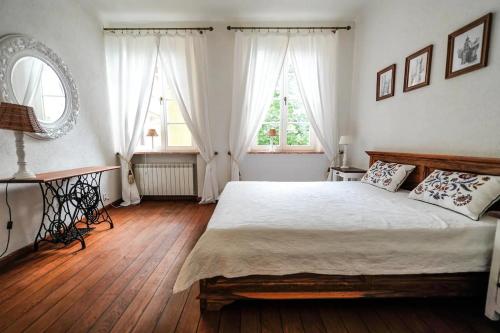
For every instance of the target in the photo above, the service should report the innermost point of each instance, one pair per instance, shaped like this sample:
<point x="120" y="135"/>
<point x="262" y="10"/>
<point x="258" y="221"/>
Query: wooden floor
<point x="123" y="282"/>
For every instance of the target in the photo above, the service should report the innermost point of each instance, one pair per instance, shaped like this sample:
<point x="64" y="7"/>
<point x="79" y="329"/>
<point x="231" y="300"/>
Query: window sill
<point x="170" y="152"/>
<point x="298" y="152"/>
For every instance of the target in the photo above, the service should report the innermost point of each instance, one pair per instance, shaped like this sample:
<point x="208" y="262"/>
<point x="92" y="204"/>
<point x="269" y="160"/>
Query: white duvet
<point x="347" y="228"/>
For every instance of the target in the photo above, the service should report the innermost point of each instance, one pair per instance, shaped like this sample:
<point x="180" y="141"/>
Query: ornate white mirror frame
<point x="15" y="47"/>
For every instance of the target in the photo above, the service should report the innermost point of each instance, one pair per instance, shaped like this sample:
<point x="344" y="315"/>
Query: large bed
<point x="272" y="240"/>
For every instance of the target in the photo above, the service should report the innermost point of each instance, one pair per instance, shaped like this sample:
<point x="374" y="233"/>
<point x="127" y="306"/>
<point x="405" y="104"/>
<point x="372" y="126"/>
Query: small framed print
<point x="468" y="47"/>
<point x="418" y="69"/>
<point x="385" y="82"/>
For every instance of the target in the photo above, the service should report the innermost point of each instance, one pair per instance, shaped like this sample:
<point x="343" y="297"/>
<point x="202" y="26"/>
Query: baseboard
<point x="26" y="250"/>
<point x="15" y="256"/>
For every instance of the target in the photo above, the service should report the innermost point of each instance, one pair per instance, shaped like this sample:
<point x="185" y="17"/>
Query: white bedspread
<point x="347" y="228"/>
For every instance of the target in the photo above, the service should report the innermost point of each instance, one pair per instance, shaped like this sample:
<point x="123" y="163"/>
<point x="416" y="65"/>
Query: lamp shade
<point x="345" y="140"/>
<point x="152" y="132"/>
<point x="19" y="118"/>
<point x="272" y="132"/>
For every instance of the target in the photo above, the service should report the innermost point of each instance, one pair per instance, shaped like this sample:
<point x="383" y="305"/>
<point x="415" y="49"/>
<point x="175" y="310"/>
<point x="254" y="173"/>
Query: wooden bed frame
<point x="219" y="291"/>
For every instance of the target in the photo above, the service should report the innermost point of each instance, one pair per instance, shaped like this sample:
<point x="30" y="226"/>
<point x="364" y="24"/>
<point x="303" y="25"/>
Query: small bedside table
<point x="493" y="299"/>
<point x="348" y="173"/>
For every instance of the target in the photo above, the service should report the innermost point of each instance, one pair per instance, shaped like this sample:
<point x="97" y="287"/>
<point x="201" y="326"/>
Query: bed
<point x="270" y="240"/>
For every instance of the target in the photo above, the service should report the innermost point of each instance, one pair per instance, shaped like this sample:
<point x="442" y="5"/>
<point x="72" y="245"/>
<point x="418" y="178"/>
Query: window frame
<point x="163" y="100"/>
<point x="283" y="145"/>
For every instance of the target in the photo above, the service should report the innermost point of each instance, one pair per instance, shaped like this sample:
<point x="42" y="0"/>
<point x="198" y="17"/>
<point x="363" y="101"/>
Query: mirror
<point x="33" y="74"/>
<point x="36" y="84"/>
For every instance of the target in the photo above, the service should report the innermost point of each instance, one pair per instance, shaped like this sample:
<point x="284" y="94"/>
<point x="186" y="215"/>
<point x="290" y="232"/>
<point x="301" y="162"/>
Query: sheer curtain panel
<point x="29" y="84"/>
<point x="184" y="63"/>
<point x="258" y="59"/>
<point x="130" y="63"/>
<point x="313" y="56"/>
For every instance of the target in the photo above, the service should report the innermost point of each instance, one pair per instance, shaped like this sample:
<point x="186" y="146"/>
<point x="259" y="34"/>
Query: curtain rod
<point x="348" y="27"/>
<point x="200" y="29"/>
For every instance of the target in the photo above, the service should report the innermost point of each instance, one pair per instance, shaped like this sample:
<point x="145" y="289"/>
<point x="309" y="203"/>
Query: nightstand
<point x="348" y="173"/>
<point x="493" y="299"/>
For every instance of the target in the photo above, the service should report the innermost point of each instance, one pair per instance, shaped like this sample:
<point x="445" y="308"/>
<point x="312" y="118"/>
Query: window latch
<point x="284" y="100"/>
<point x="161" y="100"/>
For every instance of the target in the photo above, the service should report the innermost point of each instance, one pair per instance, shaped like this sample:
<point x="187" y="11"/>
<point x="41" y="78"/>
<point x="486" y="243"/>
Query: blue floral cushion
<point x="389" y="176"/>
<point x="465" y="193"/>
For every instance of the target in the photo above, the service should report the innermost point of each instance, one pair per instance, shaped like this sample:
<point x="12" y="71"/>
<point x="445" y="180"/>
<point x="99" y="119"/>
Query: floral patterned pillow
<point x="389" y="176"/>
<point x="465" y="193"/>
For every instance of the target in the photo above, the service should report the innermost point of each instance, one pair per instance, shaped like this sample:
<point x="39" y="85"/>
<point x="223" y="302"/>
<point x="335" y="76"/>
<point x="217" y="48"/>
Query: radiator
<point x="165" y="179"/>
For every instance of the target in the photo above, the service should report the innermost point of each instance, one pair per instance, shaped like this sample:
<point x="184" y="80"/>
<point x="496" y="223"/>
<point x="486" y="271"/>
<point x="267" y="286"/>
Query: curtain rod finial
<point x="228" y="27"/>
<point x="348" y="27"/>
<point x="211" y="29"/>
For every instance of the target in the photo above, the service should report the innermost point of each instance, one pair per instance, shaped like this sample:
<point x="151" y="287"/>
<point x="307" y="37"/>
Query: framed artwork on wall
<point x="386" y="79"/>
<point x="468" y="47"/>
<point x="418" y="69"/>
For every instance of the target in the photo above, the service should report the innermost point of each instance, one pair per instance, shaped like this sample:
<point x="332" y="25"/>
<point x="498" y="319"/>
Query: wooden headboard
<point x="426" y="163"/>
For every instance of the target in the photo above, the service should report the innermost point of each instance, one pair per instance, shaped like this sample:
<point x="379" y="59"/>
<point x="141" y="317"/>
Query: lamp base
<point x="22" y="169"/>
<point x="24" y="175"/>
<point x="344" y="159"/>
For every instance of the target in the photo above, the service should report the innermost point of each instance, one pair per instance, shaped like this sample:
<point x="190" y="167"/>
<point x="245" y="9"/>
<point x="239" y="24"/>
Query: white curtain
<point x="258" y="59"/>
<point x="313" y="57"/>
<point x="184" y="63"/>
<point x="130" y="62"/>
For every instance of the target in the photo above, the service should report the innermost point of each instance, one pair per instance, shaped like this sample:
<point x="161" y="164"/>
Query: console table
<point x="69" y="197"/>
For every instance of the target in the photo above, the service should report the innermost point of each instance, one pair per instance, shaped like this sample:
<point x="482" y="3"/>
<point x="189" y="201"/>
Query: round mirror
<point x="37" y="85"/>
<point x="33" y="74"/>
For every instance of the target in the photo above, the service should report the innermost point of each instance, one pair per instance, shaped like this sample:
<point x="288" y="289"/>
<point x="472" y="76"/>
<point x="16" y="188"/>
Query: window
<point x="166" y="118"/>
<point x="52" y="95"/>
<point x="286" y="112"/>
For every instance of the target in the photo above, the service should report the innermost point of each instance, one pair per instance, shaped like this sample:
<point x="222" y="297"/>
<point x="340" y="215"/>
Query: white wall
<point x="454" y="116"/>
<point x="76" y="36"/>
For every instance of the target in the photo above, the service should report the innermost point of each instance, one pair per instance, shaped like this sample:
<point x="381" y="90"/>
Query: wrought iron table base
<point x="69" y="201"/>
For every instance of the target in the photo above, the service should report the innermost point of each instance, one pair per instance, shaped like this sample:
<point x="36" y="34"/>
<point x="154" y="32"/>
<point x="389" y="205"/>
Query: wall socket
<point x="105" y="196"/>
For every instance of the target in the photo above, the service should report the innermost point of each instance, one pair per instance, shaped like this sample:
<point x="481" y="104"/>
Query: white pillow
<point x="465" y="193"/>
<point x="389" y="176"/>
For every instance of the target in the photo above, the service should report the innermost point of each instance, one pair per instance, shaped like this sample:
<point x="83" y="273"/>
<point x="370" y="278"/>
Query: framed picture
<point x="385" y="82"/>
<point x="418" y="69"/>
<point x="468" y="47"/>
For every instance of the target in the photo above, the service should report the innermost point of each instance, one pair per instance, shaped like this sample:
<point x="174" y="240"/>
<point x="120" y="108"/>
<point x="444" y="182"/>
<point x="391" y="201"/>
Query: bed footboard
<point x="219" y="291"/>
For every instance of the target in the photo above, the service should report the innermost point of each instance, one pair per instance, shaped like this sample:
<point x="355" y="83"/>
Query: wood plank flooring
<point x="123" y="282"/>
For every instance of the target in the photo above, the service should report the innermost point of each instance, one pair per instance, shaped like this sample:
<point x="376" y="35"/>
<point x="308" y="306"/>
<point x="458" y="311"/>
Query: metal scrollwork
<point x="85" y="197"/>
<point x="68" y="202"/>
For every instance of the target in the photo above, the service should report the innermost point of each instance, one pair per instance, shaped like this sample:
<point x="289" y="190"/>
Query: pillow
<point x="389" y="176"/>
<point x="465" y="193"/>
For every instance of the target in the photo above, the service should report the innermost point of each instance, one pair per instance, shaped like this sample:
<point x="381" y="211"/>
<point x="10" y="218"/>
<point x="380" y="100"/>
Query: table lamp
<point x="20" y="119"/>
<point x="345" y="140"/>
<point x="152" y="133"/>
<point x="272" y="133"/>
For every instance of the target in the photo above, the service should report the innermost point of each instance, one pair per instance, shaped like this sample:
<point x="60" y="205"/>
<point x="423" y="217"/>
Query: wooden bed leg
<point x="203" y="305"/>
<point x="216" y="305"/>
<point x="211" y="303"/>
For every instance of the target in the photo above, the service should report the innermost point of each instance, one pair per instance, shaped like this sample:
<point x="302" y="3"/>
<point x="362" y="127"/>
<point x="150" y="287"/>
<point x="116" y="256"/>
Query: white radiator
<point x="176" y="179"/>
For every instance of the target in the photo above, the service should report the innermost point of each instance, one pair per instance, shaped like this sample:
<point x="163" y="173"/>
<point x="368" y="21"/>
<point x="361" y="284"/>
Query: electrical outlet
<point x="105" y="196"/>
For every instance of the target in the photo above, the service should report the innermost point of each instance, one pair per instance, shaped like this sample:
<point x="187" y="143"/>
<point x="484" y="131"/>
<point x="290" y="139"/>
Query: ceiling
<point x="148" y="11"/>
